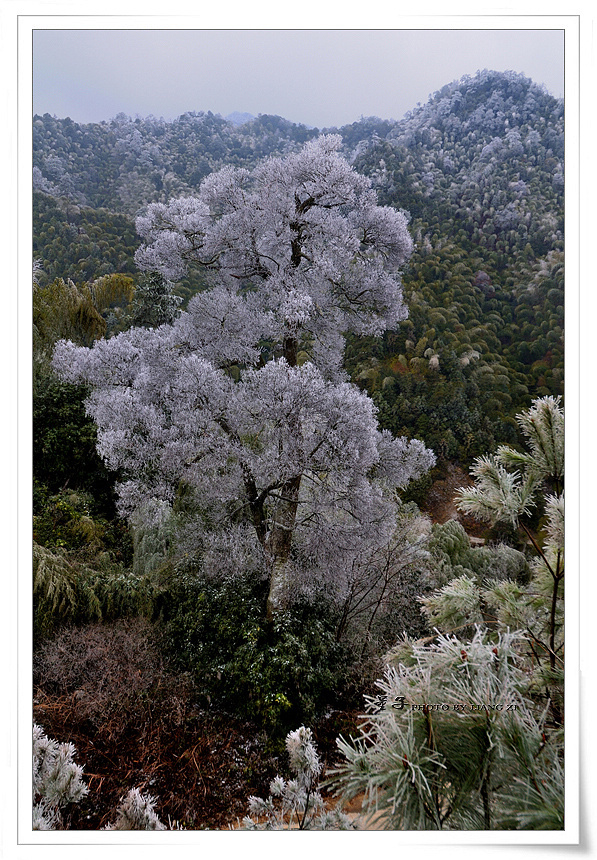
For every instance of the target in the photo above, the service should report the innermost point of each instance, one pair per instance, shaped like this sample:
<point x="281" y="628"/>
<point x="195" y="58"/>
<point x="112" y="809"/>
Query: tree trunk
<point x="279" y="539"/>
<point x="279" y="542"/>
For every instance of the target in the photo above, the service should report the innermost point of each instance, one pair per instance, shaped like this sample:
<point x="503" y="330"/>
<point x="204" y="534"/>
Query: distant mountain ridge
<point x="123" y="164"/>
<point x="237" y="118"/>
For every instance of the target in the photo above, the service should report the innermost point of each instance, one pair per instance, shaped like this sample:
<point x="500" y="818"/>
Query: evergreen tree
<point x="57" y="780"/>
<point x="454" y="742"/>
<point x="303" y="253"/>
<point x="296" y="804"/>
<point x="468" y="733"/>
<point x="136" y="812"/>
<point x="154" y="304"/>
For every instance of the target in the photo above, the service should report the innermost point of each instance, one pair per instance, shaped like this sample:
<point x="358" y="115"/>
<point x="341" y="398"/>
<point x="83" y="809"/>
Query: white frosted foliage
<point x="301" y="253"/>
<point x="307" y="227"/>
<point x="57" y="780"/>
<point x="136" y="812"/>
<point x="296" y="804"/>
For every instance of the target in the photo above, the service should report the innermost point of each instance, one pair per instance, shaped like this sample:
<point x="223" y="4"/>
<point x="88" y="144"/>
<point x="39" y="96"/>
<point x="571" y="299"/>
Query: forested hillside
<point x="265" y="358"/>
<point x="479" y="168"/>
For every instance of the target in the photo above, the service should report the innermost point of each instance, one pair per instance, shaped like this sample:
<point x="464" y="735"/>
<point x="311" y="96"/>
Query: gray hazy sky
<point x="317" y="77"/>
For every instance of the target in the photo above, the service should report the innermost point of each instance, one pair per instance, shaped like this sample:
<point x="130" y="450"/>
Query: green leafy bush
<point x="65" y="443"/>
<point x="454" y="556"/>
<point x="70" y="520"/>
<point x="68" y="591"/>
<point x="276" y="673"/>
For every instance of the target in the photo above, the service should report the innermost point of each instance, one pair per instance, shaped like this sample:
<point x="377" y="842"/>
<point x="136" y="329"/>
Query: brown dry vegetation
<point x="105" y="688"/>
<point x="440" y="501"/>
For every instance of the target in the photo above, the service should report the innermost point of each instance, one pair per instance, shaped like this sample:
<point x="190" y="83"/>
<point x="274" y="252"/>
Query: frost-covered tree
<point x="454" y="742"/>
<point x="468" y="732"/>
<point x="508" y="486"/>
<point x="296" y="804"/>
<point x="154" y="302"/>
<point x="57" y="780"/>
<point x="136" y="812"/>
<point x="242" y="399"/>
<point x="375" y="587"/>
<point x="304" y="234"/>
<point x="508" y="482"/>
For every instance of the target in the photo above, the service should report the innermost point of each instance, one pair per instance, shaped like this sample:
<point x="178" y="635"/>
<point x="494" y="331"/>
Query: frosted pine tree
<point x="457" y="745"/>
<point x="296" y="804"/>
<point x="508" y="486"/>
<point x="57" y="780"/>
<point x="469" y="734"/>
<point x="136" y="812"/>
<point x="242" y="400"/>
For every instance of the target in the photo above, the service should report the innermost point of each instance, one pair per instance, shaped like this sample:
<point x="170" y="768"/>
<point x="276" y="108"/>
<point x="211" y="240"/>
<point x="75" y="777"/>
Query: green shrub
<point x="453" y="556"/>
<point x="276" y="673"/>
<point x="69" y="520"/>
<point x="69" y="591"/>
<point x="65" y="442"/>
<point x="60" y="595"/>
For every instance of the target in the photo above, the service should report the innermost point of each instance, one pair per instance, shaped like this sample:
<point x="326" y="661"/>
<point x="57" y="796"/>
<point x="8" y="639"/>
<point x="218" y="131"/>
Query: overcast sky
<point x="321" y="78"/>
